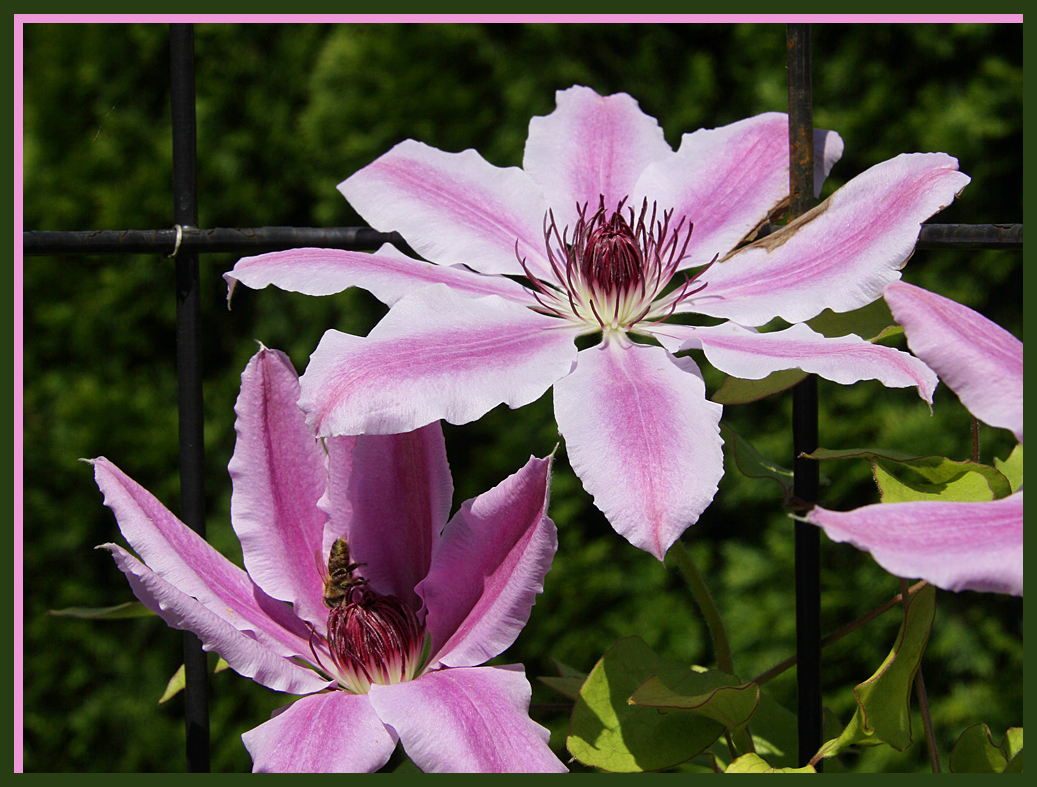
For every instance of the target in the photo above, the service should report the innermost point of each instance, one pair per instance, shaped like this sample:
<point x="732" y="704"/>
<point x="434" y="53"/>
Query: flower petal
<point x="591" y="146"/>
<point x="454" y="208"/>
<point x="399" y="493"/>
<point x="728" y="180"/>
<point x="246" y="656"/>
<point x="335" y="503"/>
<point x="183" y="559"/>
<point x="840" y="254"/>
<point x="335" y="732"/>
<point x="473" y="720"/>
<point x="979" y="360"/>
<point x="488" y="568"/>
<point x="434" y="355"/>
<point x="642" y="438"/>
<point x="277" y="472"/>
<point x="955" y="546"/>
<point x="388" y="274"/>
<point x="742" y="352"/>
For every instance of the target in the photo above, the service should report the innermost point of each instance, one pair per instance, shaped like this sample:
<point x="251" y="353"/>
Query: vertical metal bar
<point x="806" y="479"/>
<point x="189" y="374"/>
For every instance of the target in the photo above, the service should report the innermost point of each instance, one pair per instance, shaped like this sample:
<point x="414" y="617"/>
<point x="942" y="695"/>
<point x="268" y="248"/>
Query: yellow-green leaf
<point x="1012" y="467"/>
<point x="905" y="478"/>
<point x="942" y="480"/>
<point x="177" y="682"/>
<point x="883" y="712"/>
<point x="976" y="752"/>
<point x="607" y="732"/>
<point x="753" y="763"/>
<point x="732" y="706"/>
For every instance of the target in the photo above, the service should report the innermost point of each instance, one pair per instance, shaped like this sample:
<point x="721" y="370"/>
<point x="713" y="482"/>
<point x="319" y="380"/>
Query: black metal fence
<point x="185" y="241"/>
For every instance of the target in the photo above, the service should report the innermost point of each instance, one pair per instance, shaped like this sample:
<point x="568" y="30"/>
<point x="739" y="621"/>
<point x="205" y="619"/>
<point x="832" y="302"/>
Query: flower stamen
<point x="615" y="267"/>
<point x="374" y="639"/>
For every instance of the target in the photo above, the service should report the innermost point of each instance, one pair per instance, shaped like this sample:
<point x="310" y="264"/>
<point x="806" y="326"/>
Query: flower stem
<point x="705" y="603"/>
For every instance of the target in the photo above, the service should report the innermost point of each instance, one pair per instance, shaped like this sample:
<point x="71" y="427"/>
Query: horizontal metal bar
<point x="263" y="239"/>
<point x="971" y="236"/>
<point x="211" y="241"/>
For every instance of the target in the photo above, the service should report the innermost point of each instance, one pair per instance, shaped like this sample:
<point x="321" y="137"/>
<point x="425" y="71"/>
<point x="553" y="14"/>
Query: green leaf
<point x="568" y="682"/>
<point x="607" y="732"/>
<point x="941" y="479"/>
<point x="565" y="671"/>
<point x="752" y="464"/>
<point x="753" y="763"/>
<point x="904" y="477"/>
<point x="1013" y="742"/>
<point x="177" y="682"/>
<point x="567" y="687"/>
<point x="731" y="706"/>
<point x="883" y="712"/>
<point x="131" y="609"/>
<point x="1015" y="765"/>
<point x="175" y="686"/>
<point x="1012" y="467"/>
<point x="976" y="752"/>
<point x="872" y="322"/>
<point x="735" y="390"/>
<point x="861" y="453"/>
<point x="775" y="733"/>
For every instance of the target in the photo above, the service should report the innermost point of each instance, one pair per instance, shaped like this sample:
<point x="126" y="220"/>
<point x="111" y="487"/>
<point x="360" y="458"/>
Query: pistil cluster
<point x="374" y="639"/>
<point x="611" y="273"/>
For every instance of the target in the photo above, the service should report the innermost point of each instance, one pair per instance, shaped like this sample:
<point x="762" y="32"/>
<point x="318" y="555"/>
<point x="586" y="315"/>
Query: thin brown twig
<point x="975" y="439"/>
<point x="776" y="670"/>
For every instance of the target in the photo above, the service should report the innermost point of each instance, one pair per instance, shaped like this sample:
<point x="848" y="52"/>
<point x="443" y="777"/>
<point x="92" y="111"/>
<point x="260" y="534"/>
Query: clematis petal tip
<point x="231" y="284"/>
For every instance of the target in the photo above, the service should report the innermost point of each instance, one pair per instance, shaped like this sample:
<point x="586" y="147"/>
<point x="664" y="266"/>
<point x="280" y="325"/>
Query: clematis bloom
<point x="463" y="589"/>
<point x="955" y="546"/>
<point x="599" y="233"/>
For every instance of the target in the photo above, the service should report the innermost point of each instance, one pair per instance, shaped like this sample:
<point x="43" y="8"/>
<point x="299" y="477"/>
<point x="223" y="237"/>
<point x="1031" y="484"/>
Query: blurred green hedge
<point x="284" y="114"/>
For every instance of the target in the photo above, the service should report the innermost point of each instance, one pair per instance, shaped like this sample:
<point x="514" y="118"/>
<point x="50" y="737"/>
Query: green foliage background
<point x="284" y="114"/>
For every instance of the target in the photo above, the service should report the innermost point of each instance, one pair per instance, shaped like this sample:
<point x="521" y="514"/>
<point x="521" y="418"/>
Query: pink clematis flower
<point x="596" y="234"/>
<point x="463" y="589"/>
<point x="955" y="546"/>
